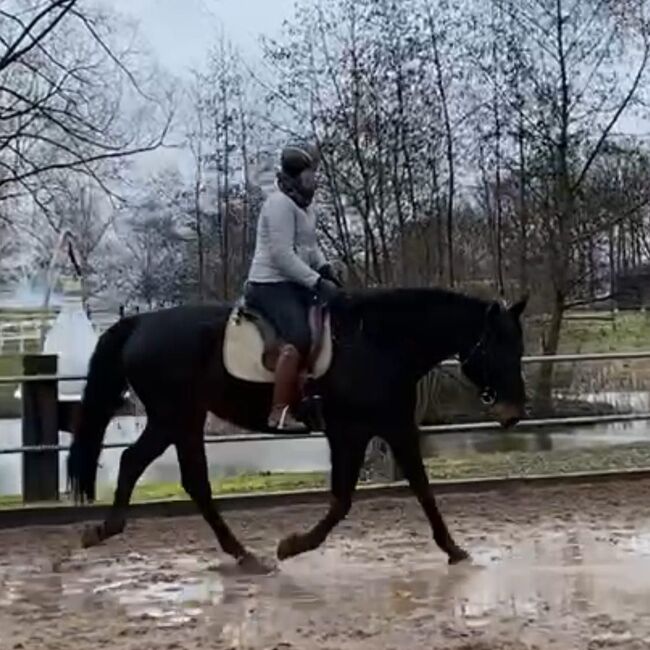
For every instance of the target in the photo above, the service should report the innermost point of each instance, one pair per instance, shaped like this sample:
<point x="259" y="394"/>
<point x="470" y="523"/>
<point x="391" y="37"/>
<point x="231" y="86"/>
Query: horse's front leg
<point x="405" y="446"/>
<point x="347" y="450"/>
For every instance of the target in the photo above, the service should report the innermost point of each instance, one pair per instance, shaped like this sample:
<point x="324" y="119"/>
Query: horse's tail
<point x="105" y="385"/>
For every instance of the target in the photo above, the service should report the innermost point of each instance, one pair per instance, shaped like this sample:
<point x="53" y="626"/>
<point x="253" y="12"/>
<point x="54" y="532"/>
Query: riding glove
<point x="327" y="273"/>
<point x="327" y="290"/>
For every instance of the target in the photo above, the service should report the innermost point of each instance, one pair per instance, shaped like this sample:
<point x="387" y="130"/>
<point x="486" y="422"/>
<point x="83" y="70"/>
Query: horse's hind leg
<point x="348" y="450"/>
<point x="405" y="446"/>
<point x="194" y="477"/>
<point x="153" y="441"/>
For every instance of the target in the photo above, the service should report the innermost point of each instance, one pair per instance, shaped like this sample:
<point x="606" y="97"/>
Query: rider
<point x="289" y="271"/>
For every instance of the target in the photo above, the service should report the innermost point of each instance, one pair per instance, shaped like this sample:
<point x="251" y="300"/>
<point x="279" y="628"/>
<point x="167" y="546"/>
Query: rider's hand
<point x="327" y="273"/>
<point x="327" y="290"/>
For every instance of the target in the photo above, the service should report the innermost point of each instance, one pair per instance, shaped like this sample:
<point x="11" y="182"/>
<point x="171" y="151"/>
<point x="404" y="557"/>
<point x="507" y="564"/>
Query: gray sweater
<point x="286" y="249"/>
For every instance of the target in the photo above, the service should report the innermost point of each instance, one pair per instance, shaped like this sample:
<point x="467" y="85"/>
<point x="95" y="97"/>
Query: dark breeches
<point x="286" y="305"/>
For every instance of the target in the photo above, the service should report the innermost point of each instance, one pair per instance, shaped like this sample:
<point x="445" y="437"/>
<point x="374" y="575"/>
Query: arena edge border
<point x="60" y="515"/>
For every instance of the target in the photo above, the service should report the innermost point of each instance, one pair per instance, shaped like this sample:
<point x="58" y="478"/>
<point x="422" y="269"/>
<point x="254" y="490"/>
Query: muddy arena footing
<point x="562" y="567"/>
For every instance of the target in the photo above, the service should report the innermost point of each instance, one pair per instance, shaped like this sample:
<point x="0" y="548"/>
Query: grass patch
<point x="10" y="364"/>
<point x="241" y="484"/>
<point x="628" y="332"/>
<point x="471" y="466"/>
<point x="10" y="501"/>
<point x="554" y="462"/>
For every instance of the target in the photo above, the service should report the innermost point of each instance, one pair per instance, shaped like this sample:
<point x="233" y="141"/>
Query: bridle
<point x="488" y="393"/>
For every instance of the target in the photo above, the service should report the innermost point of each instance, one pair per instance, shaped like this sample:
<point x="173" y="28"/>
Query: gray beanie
<point x="298" y="156"/>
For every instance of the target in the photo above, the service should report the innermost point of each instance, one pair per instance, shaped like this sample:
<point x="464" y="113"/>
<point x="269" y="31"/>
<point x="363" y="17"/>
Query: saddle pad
<point x="243" y="347"/>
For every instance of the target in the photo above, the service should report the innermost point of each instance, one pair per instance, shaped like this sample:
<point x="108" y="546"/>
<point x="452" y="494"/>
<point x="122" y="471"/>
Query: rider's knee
<point x="300" y="341"/>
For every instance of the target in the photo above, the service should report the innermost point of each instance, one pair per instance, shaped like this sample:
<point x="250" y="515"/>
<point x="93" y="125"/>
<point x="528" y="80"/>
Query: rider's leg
<point x="285" y="390"/>
<point x="286" y="305"/>
<point x="294" y="329"/>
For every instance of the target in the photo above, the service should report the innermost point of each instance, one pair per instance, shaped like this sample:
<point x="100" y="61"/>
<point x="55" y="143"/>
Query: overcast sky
<point x="180" y="31"/>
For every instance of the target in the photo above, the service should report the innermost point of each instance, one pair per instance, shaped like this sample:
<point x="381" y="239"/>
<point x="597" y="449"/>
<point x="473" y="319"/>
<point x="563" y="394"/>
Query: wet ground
<point x="553" y="568"/>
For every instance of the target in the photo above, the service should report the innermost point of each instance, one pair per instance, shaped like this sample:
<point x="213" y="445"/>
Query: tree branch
<point x="14" y="52"/>
<point x="617" y="114"/>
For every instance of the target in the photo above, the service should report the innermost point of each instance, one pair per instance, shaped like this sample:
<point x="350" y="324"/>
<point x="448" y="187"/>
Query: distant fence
<point x="20" y="335"/>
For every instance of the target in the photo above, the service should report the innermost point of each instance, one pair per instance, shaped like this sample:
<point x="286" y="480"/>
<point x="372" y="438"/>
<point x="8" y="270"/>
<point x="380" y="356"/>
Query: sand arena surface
<point x="562" y="568"/>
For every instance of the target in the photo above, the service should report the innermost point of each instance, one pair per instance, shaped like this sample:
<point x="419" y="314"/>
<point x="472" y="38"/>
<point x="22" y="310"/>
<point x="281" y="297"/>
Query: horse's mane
<point x="394" y="310"/>
<point x="407" y="298"/>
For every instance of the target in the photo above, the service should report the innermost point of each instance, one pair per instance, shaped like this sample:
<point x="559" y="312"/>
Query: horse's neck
<point x="422" y="326"/>
<point x="456" y="326"/>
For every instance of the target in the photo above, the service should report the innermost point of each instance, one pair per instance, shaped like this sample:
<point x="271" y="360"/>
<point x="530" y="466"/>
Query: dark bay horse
<point x="385" y="340"/>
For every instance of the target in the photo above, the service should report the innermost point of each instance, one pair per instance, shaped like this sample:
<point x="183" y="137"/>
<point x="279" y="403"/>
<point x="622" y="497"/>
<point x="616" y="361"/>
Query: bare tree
<point x="196" y="138"/>
<point x="68" y="96"/>
<point x="576" y="95"/>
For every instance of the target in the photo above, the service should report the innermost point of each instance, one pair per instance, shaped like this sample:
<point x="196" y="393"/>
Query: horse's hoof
<point x="91" y="536"/>
<point x="252" y="565"/>
<point x="288" y="547"/>
<point x="458" y="556"/>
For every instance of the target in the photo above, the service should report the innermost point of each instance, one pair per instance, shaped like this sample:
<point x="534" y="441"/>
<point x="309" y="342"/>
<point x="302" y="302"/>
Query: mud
<point x="553" y="568"/>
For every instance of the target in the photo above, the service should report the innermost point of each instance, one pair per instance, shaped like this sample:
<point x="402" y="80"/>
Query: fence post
<point x="379" y="463"/>
<point x="40" y="427"/>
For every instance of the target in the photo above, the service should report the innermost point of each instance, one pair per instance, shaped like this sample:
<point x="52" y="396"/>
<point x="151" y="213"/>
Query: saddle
<point x="252" y="344"/>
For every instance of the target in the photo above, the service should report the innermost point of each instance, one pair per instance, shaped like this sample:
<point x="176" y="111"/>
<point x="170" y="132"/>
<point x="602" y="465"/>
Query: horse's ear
<point x="518" y="308"/>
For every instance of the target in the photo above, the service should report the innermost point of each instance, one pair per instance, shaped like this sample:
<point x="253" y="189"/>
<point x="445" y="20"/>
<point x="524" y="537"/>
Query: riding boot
<point x="284" y="391"/>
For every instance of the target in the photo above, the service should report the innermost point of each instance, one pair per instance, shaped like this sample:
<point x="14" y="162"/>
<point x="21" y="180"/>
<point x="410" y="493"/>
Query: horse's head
<point x="493" y="363"/>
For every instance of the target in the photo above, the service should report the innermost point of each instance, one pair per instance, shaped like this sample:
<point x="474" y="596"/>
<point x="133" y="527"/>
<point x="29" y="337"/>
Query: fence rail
<point x="537" y="423"/>
<point x="534" y="359"/>
<point x="43" y="413"/>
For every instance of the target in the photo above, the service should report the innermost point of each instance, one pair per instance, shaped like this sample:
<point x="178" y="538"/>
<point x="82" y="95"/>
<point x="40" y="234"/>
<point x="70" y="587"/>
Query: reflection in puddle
<point x="208" y="592"/>
<point x="171" y="592"/>
<point x="544" y="577"/>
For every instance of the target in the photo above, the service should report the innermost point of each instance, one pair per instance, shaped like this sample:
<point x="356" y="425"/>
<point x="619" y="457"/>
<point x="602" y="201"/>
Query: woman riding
<point x="289" y="272"/>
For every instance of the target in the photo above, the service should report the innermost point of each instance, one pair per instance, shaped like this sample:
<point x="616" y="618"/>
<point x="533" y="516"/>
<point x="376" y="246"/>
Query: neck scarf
<point x="292" y="187"/>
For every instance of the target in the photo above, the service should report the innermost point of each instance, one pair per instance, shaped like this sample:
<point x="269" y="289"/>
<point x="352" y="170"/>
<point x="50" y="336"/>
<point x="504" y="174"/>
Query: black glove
<point x="327" y="273"/>
<point x="326" y="290"/>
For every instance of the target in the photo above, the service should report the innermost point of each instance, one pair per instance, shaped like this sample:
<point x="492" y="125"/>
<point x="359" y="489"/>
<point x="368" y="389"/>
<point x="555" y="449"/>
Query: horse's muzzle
<point x="507" y="414"/>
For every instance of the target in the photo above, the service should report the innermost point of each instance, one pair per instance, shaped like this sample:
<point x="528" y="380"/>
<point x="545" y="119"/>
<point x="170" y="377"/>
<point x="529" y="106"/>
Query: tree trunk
<point x="550" y="345"/>
<point x="449" y="144"/>
<point x="498" y="199"/>
<point x="246" y="203"/>
<point x="199" y="235"/>
<point x="523" y="215"/>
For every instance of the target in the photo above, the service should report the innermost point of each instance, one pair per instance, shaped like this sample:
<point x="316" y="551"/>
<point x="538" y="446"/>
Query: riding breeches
<point x="286" y="305"/>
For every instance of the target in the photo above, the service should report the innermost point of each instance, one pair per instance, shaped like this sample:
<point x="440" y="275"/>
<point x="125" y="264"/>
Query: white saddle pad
<point x="243" y="347"/>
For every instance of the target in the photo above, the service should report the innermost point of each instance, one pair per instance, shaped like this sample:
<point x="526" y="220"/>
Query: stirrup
<point x="280" y="426"/>
<point x="310" y="410"/>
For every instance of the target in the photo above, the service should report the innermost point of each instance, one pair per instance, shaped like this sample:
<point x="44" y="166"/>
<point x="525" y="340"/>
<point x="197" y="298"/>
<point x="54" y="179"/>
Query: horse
<point x="383" y="341"/>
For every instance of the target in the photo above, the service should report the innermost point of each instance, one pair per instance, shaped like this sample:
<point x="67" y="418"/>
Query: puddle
<point x="556" y="573"/>
<point x="564" y="578"/>
<point x="205" y="592"/>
